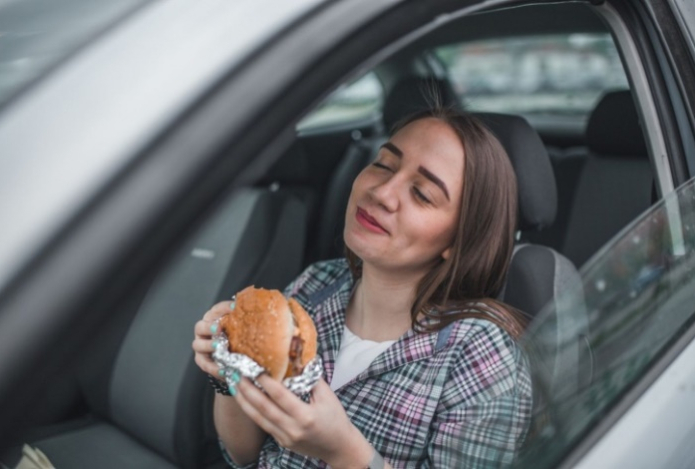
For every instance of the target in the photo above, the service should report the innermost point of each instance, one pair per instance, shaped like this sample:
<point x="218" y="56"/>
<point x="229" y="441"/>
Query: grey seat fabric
<point x="615" y="184"/>
<point x="101" y="445"/>
<point x="529" y="157"/>
<point x="537" y="274"/>
<point x="567" y="166"/>
<point x="547" y="285"/>
<point x="151" y="407"/>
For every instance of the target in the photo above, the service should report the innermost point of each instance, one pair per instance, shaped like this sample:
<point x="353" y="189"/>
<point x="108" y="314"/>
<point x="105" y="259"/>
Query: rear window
<point x="534" y="75"/>
<point x="354" y="101"/>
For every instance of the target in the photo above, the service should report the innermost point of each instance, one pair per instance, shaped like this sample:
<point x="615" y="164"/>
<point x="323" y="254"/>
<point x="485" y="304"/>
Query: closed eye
<point x="421" y="196"/>
<point x="382" y="166"/>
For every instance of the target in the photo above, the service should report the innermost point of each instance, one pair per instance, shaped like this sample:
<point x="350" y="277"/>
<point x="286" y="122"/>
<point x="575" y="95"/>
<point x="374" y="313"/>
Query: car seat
<point x="150" y="406"/>
<point x="615" y="184"/>
<point x="541" y="282"/>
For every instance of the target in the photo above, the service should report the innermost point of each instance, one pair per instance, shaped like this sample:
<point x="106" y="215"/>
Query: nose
<point x="386" y="194"/>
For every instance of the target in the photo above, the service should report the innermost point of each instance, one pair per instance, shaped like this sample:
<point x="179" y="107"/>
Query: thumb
<point x="321" y="390"/>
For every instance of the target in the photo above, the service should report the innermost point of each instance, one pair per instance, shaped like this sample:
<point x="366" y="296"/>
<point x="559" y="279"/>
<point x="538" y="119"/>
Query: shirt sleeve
<point x="485" y="409"/>
<point x="230" y="462"/>
<point x="298" y="283"/>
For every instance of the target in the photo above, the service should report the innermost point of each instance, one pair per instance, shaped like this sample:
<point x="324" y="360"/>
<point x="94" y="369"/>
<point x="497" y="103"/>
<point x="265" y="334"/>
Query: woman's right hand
<point x="202" y="343"/>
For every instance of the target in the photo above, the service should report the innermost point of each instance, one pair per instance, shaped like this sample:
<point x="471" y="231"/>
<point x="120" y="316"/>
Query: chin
<point x="359" y="245"/>
<point x="352" y="244"/>
<point x="368" y="254"/>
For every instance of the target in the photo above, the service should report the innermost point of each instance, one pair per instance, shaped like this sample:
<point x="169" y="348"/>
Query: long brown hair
<point x="466" y="284"/>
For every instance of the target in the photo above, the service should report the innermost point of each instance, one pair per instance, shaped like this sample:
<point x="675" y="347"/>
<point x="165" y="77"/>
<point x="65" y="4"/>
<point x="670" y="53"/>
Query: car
<point x="157" y="157"/>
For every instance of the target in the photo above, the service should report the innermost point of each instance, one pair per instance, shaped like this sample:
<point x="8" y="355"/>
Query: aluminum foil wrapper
<point x="229" y="362"/>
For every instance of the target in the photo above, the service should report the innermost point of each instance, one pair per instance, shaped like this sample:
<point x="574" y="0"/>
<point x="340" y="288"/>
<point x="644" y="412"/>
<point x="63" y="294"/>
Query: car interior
<point x="583" y="176"/>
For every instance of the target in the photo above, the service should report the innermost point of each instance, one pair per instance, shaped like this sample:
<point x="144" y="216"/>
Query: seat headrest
<point x="534" y="173"/>
<point x="291" y="169"/>
<point x="614" y="129"/>
<point x="413" y="94"/>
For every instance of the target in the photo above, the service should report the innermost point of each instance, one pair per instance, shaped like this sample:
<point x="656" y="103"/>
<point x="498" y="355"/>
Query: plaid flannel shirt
<point x="460" y="397"/>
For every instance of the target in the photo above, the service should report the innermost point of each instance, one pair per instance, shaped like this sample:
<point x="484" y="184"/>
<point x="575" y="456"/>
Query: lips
<point x="369" y="222"/>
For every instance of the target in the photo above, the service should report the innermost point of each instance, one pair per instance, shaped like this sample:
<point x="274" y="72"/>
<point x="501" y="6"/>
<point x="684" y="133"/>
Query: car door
<point x="636" y="409"/>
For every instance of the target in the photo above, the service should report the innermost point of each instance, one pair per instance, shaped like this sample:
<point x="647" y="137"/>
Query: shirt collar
<point x="330" y="305"/>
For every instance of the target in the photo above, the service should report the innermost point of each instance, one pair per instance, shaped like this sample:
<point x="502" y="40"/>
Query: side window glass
<point x="354" y="101"/>
<point x="536" y="74"/>
<point x="634" y="301"/>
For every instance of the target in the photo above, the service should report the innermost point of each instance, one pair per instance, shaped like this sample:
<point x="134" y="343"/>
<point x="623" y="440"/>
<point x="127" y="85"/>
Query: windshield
<point x="634" y="300"/>
<point x="36" y="34"/>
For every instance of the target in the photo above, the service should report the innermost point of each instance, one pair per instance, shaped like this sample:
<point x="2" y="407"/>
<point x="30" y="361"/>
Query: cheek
<point x="359" y="185"/>
<point x="436" y="231"/>
<point x="356" y="193"/>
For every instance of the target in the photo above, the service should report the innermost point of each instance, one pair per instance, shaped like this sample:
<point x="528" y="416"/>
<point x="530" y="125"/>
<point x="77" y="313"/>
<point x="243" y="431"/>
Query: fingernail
<point x="232" y="390"/>
<point x="236" y="377"/>
<point x="232" y="305"/>
<point x="213" y="328"/>
<point x="215" y="344"/>
<point x="221" y="372"/>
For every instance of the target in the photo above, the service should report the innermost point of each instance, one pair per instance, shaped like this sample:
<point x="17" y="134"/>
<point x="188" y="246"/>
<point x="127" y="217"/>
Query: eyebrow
<point x="435" y="180"/>
<point x="393" y="149"/>
<point x="399" y="153"/>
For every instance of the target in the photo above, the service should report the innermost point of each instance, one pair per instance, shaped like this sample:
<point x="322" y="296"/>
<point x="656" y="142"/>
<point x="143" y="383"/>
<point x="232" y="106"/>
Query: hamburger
<point x="275" y="332"/>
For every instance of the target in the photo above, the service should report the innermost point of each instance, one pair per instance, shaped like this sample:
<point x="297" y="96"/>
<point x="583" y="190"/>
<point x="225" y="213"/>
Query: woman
<point x="421" y="365"/>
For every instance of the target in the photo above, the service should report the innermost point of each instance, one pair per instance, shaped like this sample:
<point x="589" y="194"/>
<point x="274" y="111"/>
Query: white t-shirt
<point x="354" y="357"/>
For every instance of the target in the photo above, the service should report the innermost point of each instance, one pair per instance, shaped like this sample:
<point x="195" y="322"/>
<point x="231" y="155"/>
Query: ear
<point x="446" y="253"/>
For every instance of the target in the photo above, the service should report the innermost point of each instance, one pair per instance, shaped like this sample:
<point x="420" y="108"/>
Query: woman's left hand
<point x="319" y="429"/>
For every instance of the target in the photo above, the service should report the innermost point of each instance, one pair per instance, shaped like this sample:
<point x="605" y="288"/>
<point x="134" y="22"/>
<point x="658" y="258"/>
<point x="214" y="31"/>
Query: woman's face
<point x="403" y="208"/>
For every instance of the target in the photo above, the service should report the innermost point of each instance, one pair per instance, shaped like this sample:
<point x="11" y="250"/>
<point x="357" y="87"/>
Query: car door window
<point x="639" y="297"/>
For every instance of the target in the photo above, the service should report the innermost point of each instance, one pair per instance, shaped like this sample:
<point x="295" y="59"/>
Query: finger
<point x="322" y="389"/>
<point x="265" y="406"/>
<point x="287" y="401"/>
<point x="204" y="345"/>
<point x="204" y="328"/>
<point x="218" y="310"/>
<point x="321" y="386"/>
<point x="254" y="413"/>
<point x="322" y="393"/>
<point x="206" y="364"/>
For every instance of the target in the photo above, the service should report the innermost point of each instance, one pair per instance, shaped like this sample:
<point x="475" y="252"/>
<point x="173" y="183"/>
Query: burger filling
<point x="295" y="366"/>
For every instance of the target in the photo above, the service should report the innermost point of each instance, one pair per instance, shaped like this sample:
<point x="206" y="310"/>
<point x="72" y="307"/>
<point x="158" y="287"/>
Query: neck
<point x="380" y="307"/>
